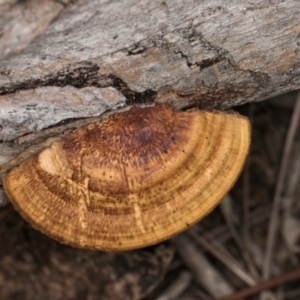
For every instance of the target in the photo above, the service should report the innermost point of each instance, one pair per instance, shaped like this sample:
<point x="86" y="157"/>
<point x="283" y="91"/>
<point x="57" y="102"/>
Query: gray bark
<point x="102" y="56"/>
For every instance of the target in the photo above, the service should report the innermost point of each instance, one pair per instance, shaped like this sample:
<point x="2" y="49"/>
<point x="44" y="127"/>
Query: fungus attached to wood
<point x="133" y="179"/>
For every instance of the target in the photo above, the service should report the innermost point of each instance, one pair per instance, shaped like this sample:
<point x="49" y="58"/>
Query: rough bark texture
<point x="22" y="21"/>
<point x="100" y="56"/>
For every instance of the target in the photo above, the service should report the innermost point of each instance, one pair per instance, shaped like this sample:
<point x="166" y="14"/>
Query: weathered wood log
<point x="101" y="56"/>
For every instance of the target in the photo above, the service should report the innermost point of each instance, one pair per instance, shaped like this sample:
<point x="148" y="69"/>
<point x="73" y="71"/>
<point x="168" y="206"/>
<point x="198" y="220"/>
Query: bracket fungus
<point x="133" y="179"/>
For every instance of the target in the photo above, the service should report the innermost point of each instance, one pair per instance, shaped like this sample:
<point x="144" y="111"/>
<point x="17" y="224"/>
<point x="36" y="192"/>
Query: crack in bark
<point x="206" y="63"/>
<point x="262" y="79"/>
<point x="132" y="97"/>
<point x="136" y="49"/>
<point x="189" y="64"/>
<point x="79" y="77"/>
<point x="193" y="36"/>
<point x="84" y="76"/>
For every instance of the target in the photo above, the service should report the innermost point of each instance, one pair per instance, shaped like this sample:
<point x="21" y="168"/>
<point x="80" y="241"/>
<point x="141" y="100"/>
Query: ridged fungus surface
<point x="133" y="179"/>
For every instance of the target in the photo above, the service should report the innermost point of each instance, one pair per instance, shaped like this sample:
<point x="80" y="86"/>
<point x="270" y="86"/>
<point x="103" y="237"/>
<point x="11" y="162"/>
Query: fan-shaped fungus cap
<point x="133" y="179"/>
